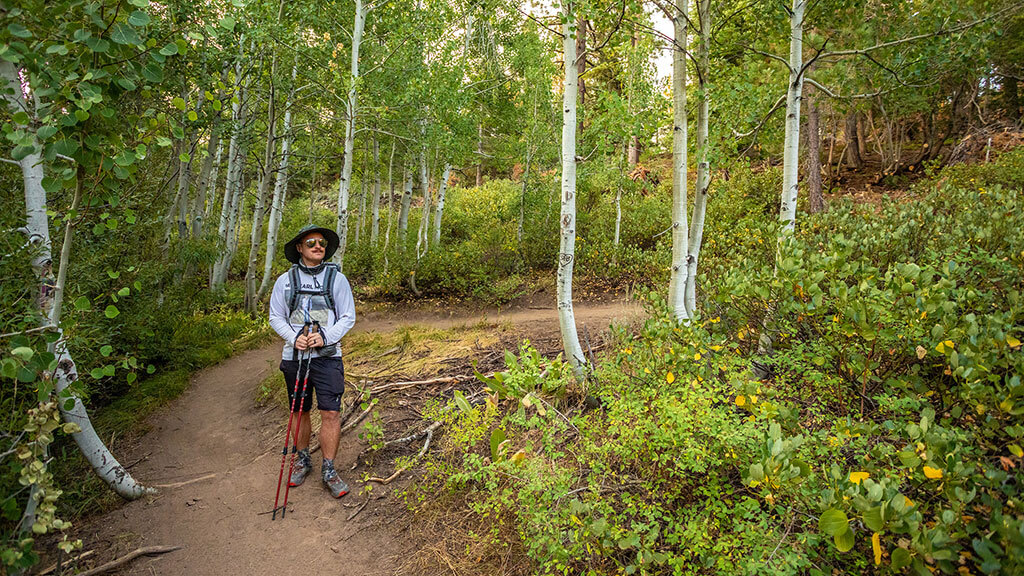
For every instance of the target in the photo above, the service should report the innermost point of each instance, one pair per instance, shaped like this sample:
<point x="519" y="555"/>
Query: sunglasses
<point x="310" y="242"/>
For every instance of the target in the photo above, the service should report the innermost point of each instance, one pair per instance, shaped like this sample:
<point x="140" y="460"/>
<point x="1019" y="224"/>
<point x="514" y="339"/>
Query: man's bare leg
<point x="302" y="436"/>
<point x="330" y="433"/>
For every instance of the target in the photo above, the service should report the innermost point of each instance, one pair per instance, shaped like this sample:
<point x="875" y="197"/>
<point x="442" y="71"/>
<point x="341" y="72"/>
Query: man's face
<point x="312" y="248"/>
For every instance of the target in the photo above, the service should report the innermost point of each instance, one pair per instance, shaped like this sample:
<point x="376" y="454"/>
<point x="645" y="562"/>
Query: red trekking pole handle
<point x="298" y="422"/>
<point x="291" y="415"/>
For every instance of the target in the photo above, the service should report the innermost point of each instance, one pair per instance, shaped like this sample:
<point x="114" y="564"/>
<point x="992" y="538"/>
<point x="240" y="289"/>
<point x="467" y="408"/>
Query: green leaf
<point x="150" y="369"/>
<point x="462" y="403"/>
<point x="20" y="152"/>
<point x="900" y="558"/>
<point x="139" y="18"/>
<point x="106" y="350"/>
<point x="20" y="117"/>
<point x="227" y="23"/>
<point x="497" y="437"/>
<point x="18" y="30"/>
<point x="114" y="274"/>
<point x="46" y="132"/>
<point x="873" y="519"/>
<point x="192" y="116"/>
<point x="184" y="157"/>
<point x="26" y="374"/>
<point x="178" y="102"/>
<point x="833" y="522"/>
<point x="123" y="291"/>
<point x="844" y="540"/>
<point x="23" y="352"/>
<point x="139" y="3"/>
<point x="170" y="49"/>
<point x="124" y="34"/>
<point x="111" y="311"/>
<point x="96" y="373"/>
<point x="909" y="459"/>
<point x="153" y="73"/>
<point x="131" y="377"/>
<point x="83" y="304"/>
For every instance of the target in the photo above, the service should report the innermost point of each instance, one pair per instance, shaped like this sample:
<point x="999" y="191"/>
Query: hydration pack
<point x="318" y="301"/>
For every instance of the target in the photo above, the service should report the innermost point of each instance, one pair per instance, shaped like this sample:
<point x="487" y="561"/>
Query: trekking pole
<point x="291" y="415"/>
<point x="298" y="423"/>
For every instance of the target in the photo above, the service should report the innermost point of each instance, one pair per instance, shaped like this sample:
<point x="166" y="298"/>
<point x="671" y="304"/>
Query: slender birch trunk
<point x="422" y="240"/>
<point x="391" y="193"/>
<point x="618" y="202"/>
<point x="231" y="184"/>
<point x="49" y="303"/>
<point x="791" y="146"/>
<point x="206" y="187"/>
<point x="280" y="193"/>
<point x="522" y="195"/>
<point x="350" y="133"/>
<point x="361" y="220"/>
<point x="680" y="240"/>
<point x="403" y="215"/>
<point x="375" y="218"/>
<point x="567" y="243"/>
<point x="442" y="188"/>
<point x="703" y="166"/>
<point x="814" y="184"/>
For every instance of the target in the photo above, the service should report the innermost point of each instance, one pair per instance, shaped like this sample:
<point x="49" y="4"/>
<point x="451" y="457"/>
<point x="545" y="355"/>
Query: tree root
<point x="147" y="551"/>
<point x="429" y="433"/>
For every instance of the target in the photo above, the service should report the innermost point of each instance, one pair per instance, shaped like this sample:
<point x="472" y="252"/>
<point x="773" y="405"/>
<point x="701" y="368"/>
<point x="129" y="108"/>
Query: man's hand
<point x="315" y="340"/>
<point x="302" y="342"/>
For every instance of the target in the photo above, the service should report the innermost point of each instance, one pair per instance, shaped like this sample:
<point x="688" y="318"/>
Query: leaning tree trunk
<point x="345" y="184"/>
<point x="260" y="211"/>
<point x="567" y="244"/>
<point x="696" y="237"/>
<point x="49" y="303"/>
<point x="817" y="202"/>
<point x="277" y="203"/>
<point x="680" y="239"/>
<point x="791" y="145"/>
<point x="442" y="188"/>
<point x="232" y="185"/>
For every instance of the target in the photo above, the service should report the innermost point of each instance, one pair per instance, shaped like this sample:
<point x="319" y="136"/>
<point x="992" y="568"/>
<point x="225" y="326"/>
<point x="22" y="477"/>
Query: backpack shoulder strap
<point x="329" y="276"/>
<point x="293" y="289"/>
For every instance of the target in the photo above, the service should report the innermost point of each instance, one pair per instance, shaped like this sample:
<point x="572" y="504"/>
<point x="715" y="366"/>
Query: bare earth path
<point x="226" y="451"/>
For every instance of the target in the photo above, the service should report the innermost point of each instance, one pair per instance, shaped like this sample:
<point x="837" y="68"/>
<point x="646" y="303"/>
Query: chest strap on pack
<point x="326" y="289"/>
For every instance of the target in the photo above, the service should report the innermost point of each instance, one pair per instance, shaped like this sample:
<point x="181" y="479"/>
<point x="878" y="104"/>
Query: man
<point x="314" y="294"/>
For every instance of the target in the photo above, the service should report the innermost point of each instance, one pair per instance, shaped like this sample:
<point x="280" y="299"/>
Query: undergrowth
<point x="885" y="438"/>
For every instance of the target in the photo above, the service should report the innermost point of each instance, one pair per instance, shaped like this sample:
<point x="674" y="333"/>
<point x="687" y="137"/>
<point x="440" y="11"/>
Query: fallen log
<point x="147" y="551"/>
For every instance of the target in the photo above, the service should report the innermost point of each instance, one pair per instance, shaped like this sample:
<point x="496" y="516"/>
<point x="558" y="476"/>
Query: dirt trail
<point x="215" y="436"/>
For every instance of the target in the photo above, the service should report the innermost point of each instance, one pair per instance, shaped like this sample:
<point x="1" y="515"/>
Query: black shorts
<point x="326" y="376"/>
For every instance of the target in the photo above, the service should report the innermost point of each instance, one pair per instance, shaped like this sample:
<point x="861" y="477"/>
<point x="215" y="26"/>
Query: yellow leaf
<point x="921" y="352"/>
<point x="716" y="348"/>
<point x="670" y="377"/>
<point x="933" y="473"/>
<point x="907" y="502"/>
<point x="1016" y="451"/>
<point x="876" y="544"/>
<point x="518" y="457"/>
<point x="1013" y="342"/>
<point x="696" y="356"/>
<point x="943" y="346"/>
<point x="740" y="400"/>
<point x="858" y="477"/>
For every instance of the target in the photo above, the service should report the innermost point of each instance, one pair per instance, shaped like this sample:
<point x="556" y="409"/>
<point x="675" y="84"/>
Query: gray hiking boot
<point x="335" y="485"/>
<point x="299" y="472"/>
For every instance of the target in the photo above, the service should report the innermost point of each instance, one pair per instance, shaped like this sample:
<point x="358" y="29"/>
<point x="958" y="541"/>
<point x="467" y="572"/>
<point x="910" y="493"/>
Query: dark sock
<point x="328" y="468"/>
<point x="304" y="457"/>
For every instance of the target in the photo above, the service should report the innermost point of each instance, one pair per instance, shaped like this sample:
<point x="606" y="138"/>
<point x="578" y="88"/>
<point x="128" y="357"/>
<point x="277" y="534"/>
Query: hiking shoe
<point x="299" y="473"/>
<point x="335" y="485"/>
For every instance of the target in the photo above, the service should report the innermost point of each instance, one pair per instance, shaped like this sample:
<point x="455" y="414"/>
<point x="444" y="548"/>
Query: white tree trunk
<point x="37" y="227"/>
<point x="350" y="134"/>
<point x="232" y="185"/>
<point x="618" y="205"/>
<point x="422" y="240"/>
<point x="791" y="146"/>
<point x="567" y="243"/>
<point x="260" y="210"/>
<point x="403" y="214"/>
<point x="703" y="166"/>
<point x="375" y="219"/>
<point x="277" y="203"/>
<point x="680" y="240"/>
<point x="442" y="188"/>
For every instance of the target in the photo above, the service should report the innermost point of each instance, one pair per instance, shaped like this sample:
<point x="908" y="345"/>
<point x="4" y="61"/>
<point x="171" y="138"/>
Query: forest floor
<point x="214" y="450"/>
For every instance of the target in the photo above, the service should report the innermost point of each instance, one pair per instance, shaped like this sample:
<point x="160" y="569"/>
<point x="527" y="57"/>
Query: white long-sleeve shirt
<point x="340" y="320"/>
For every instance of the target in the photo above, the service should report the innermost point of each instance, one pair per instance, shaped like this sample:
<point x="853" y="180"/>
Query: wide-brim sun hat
<point x="292" y="253"/>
